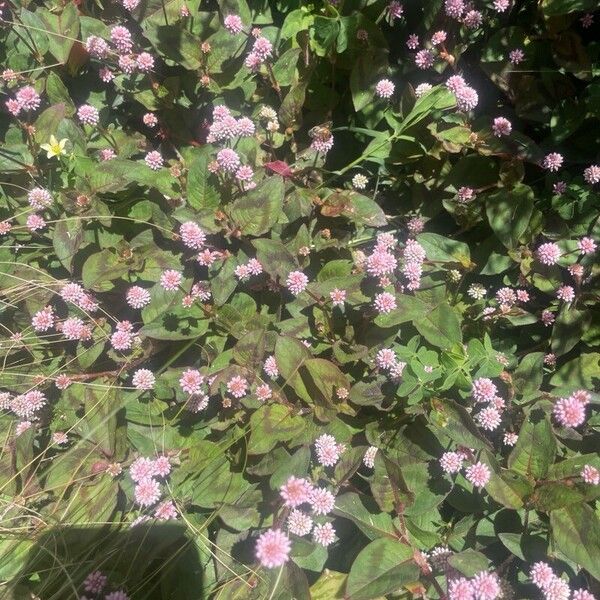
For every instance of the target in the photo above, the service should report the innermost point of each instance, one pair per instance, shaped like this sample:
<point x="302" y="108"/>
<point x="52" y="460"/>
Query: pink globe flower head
<point x="26" y="405"/>
<point x="478" y="474"/>
<point x="296" y="282"/>
<point x="548" y="253"/>
<point x="150" y="119"/>
<point x="107" y="154"/>
<point x="95" y="582"/>
<point x="121" y="340"/>
<point x="161" y="466"/>
<point x="460" y="589"/>
<point x="451" y="462"/>
<point x="244" y="127"/>
<point x="486" y="586"/>
<point x="96" y="47"/>
<point x="454" y="8"/>
<point x="273" y="548"/>
<point x="264" y="392"/>
<point x="412" y="42"/>
<point x="127" y="64"/>
<point x="381" y="262"/>
<point x="233" y="24"/>
<point x="338" y="297"/>
<point x="386" y="358"/>
<point x="510" y="439"/>
<point x="145" y="62"/>
<point x="28" y="98"/>
<point x="143" y="379"/>
<point x="147" y="492"/>
<point x="506" y="296"/>
<point x="322" y="145"/>
<point x="154" y="160"/>
<point x="170" y="280"/>
<point x="121" y="38"/>
<point x="473" y="19"/>
<point x="39" y="198"/>
<point x="295" y="491"/>
<point x="130" y="4"/>
<point x="244" y="173"/>
<point x="489" y="418"/>
<point x="228" y="160"/>
<point x="369" y="456"/>
<point x="415" y="225"/>
<point x="466" y="98"/>
<point x="106" y="75"/>
<point x="262" y="48"/>
<point x="516" y="56"/>
<point x="424" y="59"/>
<point x="501" y="5"/>
<point x="35" y="223"/>
<point x="592" y="174"/>
<point x="191" y="381"/>
<point x="324" y="534"/>
<point x="439" y="37"/>
<point x="590" y="475"/>
<point x="327" y="449"/>
<point x="583" y="595"/>
<point x="13" y="107"/>
<point x="192" y="235"/>
<point x="586" y="245"/>
<point x="395" y="9"/>
<point x="270" y="367"/>
<point x="548" y="317"/>
<point x="237" y="386"/>
<point x="557" y="589"/>
<point x="385" y="302"/>
<point x="569" y="412"/>
<point x="322" y="501"/>
<point x="484" y="390"/>
<point x="501" y="127"/>
<point x="299" y="523"/>
<point x="166" y="511"/>
<point x="565" y="293"/>
<point x="455" y="83"/>
<point x="138" y="297"/>
<point x="552" y="162"/>
<point x="385" y="89"/>
<point x="465" y="194"/>
<point x="43" y="319"/>
<point x="88" y="114"/>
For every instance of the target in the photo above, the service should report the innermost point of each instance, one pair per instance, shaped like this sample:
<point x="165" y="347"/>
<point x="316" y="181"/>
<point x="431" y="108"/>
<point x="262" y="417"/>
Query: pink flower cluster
<point x="554" y="587"/>
<point x="570" y="412"/>
<point x="466" y="96"/>
<point x="145" y="473"/>
<point x="483" y="586"/>
<point x="26" y="99"/>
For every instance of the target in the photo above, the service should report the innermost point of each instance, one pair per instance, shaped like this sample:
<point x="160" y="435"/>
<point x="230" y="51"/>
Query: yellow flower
<point x="54" y="148"/>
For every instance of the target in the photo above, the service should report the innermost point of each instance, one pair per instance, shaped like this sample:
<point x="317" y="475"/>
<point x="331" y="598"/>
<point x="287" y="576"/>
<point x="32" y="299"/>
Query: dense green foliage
<point x="349" y="160"/>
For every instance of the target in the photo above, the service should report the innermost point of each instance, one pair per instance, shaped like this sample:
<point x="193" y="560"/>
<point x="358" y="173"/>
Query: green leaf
<point x="528" y="376"/>
<point x="382" y="567"/>
<point x="270" y="424"/>
<point x="200" y="193"/>
<point x="576" y="533"/>
<point x="101" y="269"/>
<point x="65" y="28"/>
<point x="365" y="514"/>
<point x="355" y="207"/>
<point x="569" y="328"/>
<point x="509" y="213"/>
<point x="440" y="248"/>
<point x="367" y="70"/>
<point x="535" y="449"/>
<point x="259" y="209"/>
<point x="176" y="44"/>
<point x="66" y="241"/>
<point x="457" y="424"/>
<point x="469" y="562"/>
<point x="579" y="372"/>
<point x="562" y="7"/>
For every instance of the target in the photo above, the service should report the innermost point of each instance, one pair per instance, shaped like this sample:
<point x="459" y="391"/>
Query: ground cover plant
<point x="299" y="300"/>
